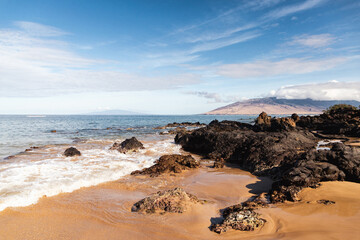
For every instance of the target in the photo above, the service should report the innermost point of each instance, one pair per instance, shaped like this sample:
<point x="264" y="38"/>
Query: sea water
<point x="43" y="170"/>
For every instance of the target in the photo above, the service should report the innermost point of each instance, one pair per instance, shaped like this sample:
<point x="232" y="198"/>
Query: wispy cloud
<point x="314" y="41"/>
<point x="216" y="97"/>
<point x="332" y="90"/>
<point x="40" y="30"/>
<point x="38" y="64"/>
<point x="225" y="42"/>
<point x="287" y="10"/>
<point x="275" y="68"/>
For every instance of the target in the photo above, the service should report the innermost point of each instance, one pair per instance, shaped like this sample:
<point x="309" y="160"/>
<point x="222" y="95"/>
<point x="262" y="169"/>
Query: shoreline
<point x="104" y="211"/>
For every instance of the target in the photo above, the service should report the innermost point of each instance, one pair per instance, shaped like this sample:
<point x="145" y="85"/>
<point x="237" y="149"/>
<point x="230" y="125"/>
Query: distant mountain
<point x="273" y="105"/>
<point x="115" y="112"/>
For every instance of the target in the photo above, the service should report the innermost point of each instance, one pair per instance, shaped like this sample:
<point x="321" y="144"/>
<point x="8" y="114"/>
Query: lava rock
<point x="129" y="145"/>
<point x="169" y="163"/>
<point x="175" y="201"/>
<point x="70" y="152"/>
<point x="325" y="202"/>
<point x="241" y="217"/>
<point x="219" y="163"/>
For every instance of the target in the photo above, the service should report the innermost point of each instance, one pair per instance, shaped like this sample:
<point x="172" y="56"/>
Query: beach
<point x="104" y="211"/>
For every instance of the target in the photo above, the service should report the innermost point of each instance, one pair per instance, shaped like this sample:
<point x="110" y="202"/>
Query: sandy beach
<point x="104" y="211"/>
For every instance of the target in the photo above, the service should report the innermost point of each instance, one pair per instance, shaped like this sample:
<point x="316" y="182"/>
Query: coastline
<point x="103" y="211"/>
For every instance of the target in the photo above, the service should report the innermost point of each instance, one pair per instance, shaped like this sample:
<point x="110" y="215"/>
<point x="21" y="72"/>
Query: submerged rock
<point x="70" y="152"/>
<point x="241" y="217"/>
<point x="175" y="201"/>
<point x="169" y="163"/>
<point x="129" y="145"/>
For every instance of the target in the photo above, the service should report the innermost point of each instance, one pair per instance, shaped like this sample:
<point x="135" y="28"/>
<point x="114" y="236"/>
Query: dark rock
<point x="129" y="145"/>
<point x="175" y="201"/>
<point x="241" y="217"/>
<point x="219" y="163"/>
<point x="70" y="152"/>
<point x="53" y="131"/>
<point x="169" y="163"/>
<point x="280" y="149"/>
<point x="325" y="202"/>
<point x="345" y="122"/>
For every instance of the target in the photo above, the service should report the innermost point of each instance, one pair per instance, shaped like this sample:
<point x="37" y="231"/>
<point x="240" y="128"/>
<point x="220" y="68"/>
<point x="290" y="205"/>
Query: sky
<point x="174" y="56"/>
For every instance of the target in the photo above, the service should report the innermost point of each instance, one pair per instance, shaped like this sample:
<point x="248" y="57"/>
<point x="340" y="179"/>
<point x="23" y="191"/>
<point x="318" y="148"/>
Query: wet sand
<point x="103" y="211"/>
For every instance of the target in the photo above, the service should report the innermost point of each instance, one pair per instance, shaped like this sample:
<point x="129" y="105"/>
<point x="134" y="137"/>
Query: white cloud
<point x="216" y="97"/>
<point x="284" y="11"/>
<point x="315" y="41"/>
<point x="332" y="90"/>
<point x="37" y="64"/>
<point x="274" y="68"/>
<point x="36" y="29"/>
<point x="225" y="42"/>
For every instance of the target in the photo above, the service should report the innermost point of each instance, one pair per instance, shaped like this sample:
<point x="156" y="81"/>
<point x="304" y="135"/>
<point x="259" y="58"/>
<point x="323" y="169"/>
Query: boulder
<point x="219" y="163"/>
<point x="241" y="217"/>
<point x="129" y="145"/>
<point x="169" y="163"/>
<point x="175" y="201"/>
<point x="70" y="152"/>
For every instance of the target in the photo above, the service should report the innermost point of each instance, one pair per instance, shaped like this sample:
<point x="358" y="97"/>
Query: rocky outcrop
<point x="345" y="122"/>
<point x="169" y="163"/>
<point x="129" y="145"/>
<point x="183" y="124"/>
<point x="340" y="163"/>
<point x="281" y="149"/>
<point x="70" y="152"/>
<point x="175" y="201"/>
<point x="241" y="217"/>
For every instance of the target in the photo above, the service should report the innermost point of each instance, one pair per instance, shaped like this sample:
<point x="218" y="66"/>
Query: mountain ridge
<point x="273" y="105"/>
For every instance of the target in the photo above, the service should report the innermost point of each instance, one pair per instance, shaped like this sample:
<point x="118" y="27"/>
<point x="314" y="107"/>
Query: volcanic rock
<point x="129" y="145"/>
<point x="175" y="200"/>
<point x="70" y="152"/>
<point x="241" y="217"/>
<point x="169" y="163"/>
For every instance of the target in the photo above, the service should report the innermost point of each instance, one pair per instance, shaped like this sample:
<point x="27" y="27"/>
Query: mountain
<point x="272" y="105"/>
<point x="115" y="112"/>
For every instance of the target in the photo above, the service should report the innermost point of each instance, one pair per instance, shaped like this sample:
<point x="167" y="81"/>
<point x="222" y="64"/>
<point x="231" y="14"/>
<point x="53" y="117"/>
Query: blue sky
<point x="174" y="57"/>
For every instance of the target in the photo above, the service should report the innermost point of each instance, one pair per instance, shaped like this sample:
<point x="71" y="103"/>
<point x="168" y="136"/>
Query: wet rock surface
<point x="283" y="149"/>
<point x="70" y="152"/>
<point x="169" y="163"/>
<point x="241" y="217"/>
<point x="175" y="201"/>
<point x="129" y="145"/>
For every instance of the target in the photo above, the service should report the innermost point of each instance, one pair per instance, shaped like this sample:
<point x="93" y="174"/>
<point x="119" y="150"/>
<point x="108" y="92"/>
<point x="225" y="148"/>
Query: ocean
<point x="42" y="170"/>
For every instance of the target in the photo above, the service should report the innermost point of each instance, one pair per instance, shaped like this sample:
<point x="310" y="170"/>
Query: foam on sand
<point x="23" y="181"/>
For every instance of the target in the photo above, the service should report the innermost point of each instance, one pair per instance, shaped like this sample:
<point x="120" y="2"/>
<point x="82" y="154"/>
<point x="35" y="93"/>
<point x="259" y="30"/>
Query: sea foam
<point x="24" y="182"/>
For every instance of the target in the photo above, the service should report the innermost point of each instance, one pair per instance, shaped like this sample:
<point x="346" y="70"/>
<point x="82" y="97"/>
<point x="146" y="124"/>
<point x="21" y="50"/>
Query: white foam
<point x="24" y="182"/>
<point x="321" y="144"/>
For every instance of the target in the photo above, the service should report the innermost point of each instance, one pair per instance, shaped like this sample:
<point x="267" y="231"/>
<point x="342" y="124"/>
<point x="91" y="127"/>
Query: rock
<point x="325" y="202"/>
<point x="241" y="217"/>
<point x="183" y="124"/>
<point x="219" y="163"/>
<point x="341" y="121"/>
<point x="295" y="117"/>
<point x="53" y="131"/>
<point x="169" y="163"/>
<point x="129" y="145"/>
<point x="175" y="201"/>
<point x="281" y="150"/>
<point x="263" y="119"/>
<point x="70" y="152"/>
